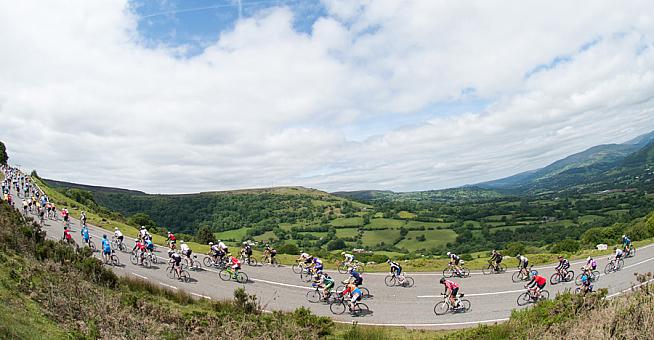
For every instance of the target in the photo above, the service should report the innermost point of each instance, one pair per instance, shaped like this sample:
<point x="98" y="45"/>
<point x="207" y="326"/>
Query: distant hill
<point x="595" y="167"/>
<point x="463" y="194"/>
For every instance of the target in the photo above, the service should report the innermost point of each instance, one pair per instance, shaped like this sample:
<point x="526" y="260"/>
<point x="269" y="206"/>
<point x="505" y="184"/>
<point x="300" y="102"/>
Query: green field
<point x="373" y="237"/>
<point x="346" y="232"/>
<point x="385" y="223"/>
<point x="236" y="235"/>
<point x="268" y="235"/>
<point x="347" y="222"/>
<point x="434" y="238"/>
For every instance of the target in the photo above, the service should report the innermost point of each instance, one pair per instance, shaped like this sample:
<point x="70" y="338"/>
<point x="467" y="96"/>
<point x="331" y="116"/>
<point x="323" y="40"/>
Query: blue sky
<point x="198" y="23"/>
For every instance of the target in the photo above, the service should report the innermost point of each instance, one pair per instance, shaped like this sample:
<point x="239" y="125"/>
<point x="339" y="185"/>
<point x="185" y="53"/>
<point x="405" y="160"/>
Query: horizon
<point x="200" y="96"/>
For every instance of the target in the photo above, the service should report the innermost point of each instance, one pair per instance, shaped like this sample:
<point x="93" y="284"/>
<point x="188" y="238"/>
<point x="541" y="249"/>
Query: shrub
<point x="336" y="244"/>
<point x="515" y="248"/>
<point x="288" y="248"/>
<point x="566" y="246"/>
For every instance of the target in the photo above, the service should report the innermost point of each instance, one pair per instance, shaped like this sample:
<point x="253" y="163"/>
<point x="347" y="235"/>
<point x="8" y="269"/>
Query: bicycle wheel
<point x="465" y="272"/>
<point x="488" y="270"/>
<point x="365" y="293"/>
<point x="297" y="269"/>
<point x="609" y="268"/>
<point x="516" y="277"/>
<point x="185" y="276"/>
<point x="146" y="263"/>
<point x="501" y="268"/>
<point x="314" y="296"/>
<point x="207" y="261"/>
<point x="342" y="268"/>
<point x="620" y="265"/>
<point x="441" y="308"/>
<point x="361" y="309"/>
<point x="241" y="277"/>
<point x="464" y="305"/>
<point x="340" y="289"/>
<point x="92" y="245"/>
<point x="578" y="279"/>
<point x="263" y="260"/>
<point x="337" y="307"/>
<point x="134" y="259"/>
<point x="569" y="276"/>
<point x="596" y="275"/>
<point x="447" y="272"/>
<point x="555" y="278"/>
<point x="632" y="251"/>
<point x="305" y="277"/>
<point x="544" y="295"/>
<point x="408" y="282"/>
<point x="225" y="275"/>
<point x="172" y="273"/>
<point x="115" y="261"/>
<point x="252" y="262"/>
<point x="153" y="258"/>
<point x="524" y="299"/>
<point x="389" y="280"/>
<point x="361" y="268"/>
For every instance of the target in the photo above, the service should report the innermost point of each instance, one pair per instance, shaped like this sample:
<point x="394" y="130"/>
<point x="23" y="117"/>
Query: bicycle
<point x="592" y="274"/>
<point x="317" y="295"/>
<point x="209" y="261"/>
<point x="251" y="261"/>
<point x="558" y="277"/>
<point x="135" y="257"/>
<point x="500" y="268"/>
<point x="183" y="275"/>
<point x="365" y="293"/>
<point x="451" y="271"/>
<point x="228" y="274"/>
<point x="151" y="257"/>
<point x="401" y="281"/>
<point x="344" y="267"/>
<point x="530" y="296"/>
<point x="613" y="266"/>
<point x="522" y="275"/>
<point x="113" y="259"/>
<point x="267" y="259"/>
<point x="631" y="252"/>
<point x="117" y="244"/>
<point x="306" y="275"/>
<point x="194" y="263"/>
<point x="90" y="244"/>
<point x="298" y="267"/>
<point x="442" y="307"/>
<point x="339" y="306"/>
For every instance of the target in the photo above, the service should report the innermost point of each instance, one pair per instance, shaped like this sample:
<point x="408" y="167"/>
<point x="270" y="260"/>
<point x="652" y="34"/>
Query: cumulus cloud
<point x="83" y="98"/>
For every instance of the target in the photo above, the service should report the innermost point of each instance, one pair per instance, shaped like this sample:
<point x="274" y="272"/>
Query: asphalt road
<point x="493" y="297"/>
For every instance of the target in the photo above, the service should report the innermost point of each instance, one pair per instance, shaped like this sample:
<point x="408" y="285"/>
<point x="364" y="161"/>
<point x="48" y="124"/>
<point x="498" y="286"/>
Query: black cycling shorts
<point x="455" y="291"/>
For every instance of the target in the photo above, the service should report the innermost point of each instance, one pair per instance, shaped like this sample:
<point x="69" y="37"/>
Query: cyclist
<point x="349" y="258"/>
<point x="85" y="235"/>
<point x="118" y="235"/>
<point x="271" y="252"/>
<point x="25" y="207"/>
<point x="496" y="259"/>
<point x="562" y="267"/>
<point x="626" y="243"/>
<point x="591" y="264"/>
<point x="215" y="252"/>
<point x="586" y="286"/>
<point x="523" y="262"/>
<point x="143" y="233"/>
<point x="246" y="252"/>
<point x="176" y="260"/>
<point x="149" y="245"/>
<point x="617" y="257"/>
<point x="64" y="214"/>
<point x="396" y="270"/>
<point x="186" y="251"/>
<point x="106" y="249"/>
<point x="537" y="283"/>
<point x="235" y="264"/>
<point x="172" y="240"/>
<point x="139" y="249"/>
<point x="82" y="218"/>
<point x="67" y="236"/>
<point x="327" y="283"/>
<point x="451" y="290"/>
<point x="305" y="259"/>
<point x="317" y="265"/>
<point x="355" y="277"/>
<point x="223" y="247"/>
<point x="454" y="261"/>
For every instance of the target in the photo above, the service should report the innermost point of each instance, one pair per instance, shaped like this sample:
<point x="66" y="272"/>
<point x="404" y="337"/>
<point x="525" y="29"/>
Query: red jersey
<point x="140" y="245"/>
<point x="67" y="234"/>
<point x="172" y="237"/>
<point x="235" y="261"/>
<point x="540" y="280"/>
<point x="451" y="285"/>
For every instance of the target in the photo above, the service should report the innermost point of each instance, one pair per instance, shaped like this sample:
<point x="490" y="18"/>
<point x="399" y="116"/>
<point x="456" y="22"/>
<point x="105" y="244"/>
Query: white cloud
<point x="82" y="98"/>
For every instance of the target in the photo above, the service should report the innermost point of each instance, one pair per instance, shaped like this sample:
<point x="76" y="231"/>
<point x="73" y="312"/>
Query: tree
<point x="141" y="219"/>
<point x="204" y="235"/>
<point x="336" y="244"/>
<point x="566" y="246"/>
<point x="3" y="154"/>
<point x="289" y="248"/>
<point x="515" y="248"/>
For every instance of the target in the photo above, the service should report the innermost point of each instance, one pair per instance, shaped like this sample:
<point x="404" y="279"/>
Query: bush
<point x="515" y="248"/>
<point x="566" y="246"/>
<point x="204" y="235"/>
<point x="336" y="244"/>
<point x="289" y="248"/>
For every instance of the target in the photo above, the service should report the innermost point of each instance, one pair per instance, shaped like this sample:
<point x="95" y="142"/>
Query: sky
<point x="176" y="96"/>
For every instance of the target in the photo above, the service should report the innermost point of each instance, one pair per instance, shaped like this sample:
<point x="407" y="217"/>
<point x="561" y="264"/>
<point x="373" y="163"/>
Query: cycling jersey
<point x="618" y="253"/>
<point x="349" y="257"/>
<point x="106" y="246"/>
<point x="626" y="241"/>
<point x="592" y="263"/>
<point x="563" y="264"/>
<point x="451" y="285"/>
<point x="118" y="234"/>
<point x="177" y="258"/>
<point x="149" y="244"/>
<point x="85" y="233"/>
<point x="67" y="234"/>
<point x="140" y="246"/>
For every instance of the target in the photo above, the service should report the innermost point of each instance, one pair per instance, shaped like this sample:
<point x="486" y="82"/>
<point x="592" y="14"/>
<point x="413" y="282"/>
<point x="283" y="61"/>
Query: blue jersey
<point x="356" y="291"/>
<point x="149" y="244"/>
<point x="105" y="245"/>
<point x="355" y="274"/>
<point x="85" y="233"/>
<point x="626" y="241"/>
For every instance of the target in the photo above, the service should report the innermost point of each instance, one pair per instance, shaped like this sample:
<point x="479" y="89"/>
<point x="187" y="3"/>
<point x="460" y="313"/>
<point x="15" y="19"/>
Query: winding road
<point x="493" y="297"/>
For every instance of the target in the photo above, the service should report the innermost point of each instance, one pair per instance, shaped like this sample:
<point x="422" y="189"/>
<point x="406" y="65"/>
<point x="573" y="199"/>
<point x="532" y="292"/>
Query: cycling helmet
<point x="589" y="258"/>
<point x="244" y="243"/>
<point x="560" y="257"/>
<point x="136" y="240"/>
<point x="170" y="253"/>
<point x="104" y="236"/>
<point x="624" y="236"/>
<point x="388" y="261"/>
<point x="142" y="227"/>
<point x="534" y="273"/>
<point x="342" y="253"/>
<point x="182" y="241"/>
<point x="517" y="255"/>
<point x="116" y="228"/>
<point x="442" y="280"/>
<point x="210" y="243"/>
<point x="448" y="253"/>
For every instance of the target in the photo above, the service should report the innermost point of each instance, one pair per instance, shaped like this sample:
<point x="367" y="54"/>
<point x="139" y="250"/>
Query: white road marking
<point x="478" y="294"/>
<point x="201" y="296"/>
<point x="141" y="276"/>
<point x="282" y="284"/>
<point x="167" y="285"/>
<point x="637" y="263"/>
<point x="629" y="289"/>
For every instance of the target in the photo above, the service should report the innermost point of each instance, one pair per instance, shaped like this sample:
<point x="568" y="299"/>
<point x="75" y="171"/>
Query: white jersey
<point x="618" y="252"/>
<point x="143" y="232"/>
<point x="117" y="233"/>
<point x="222" y="245"/>
<point x="184" y="247"/>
